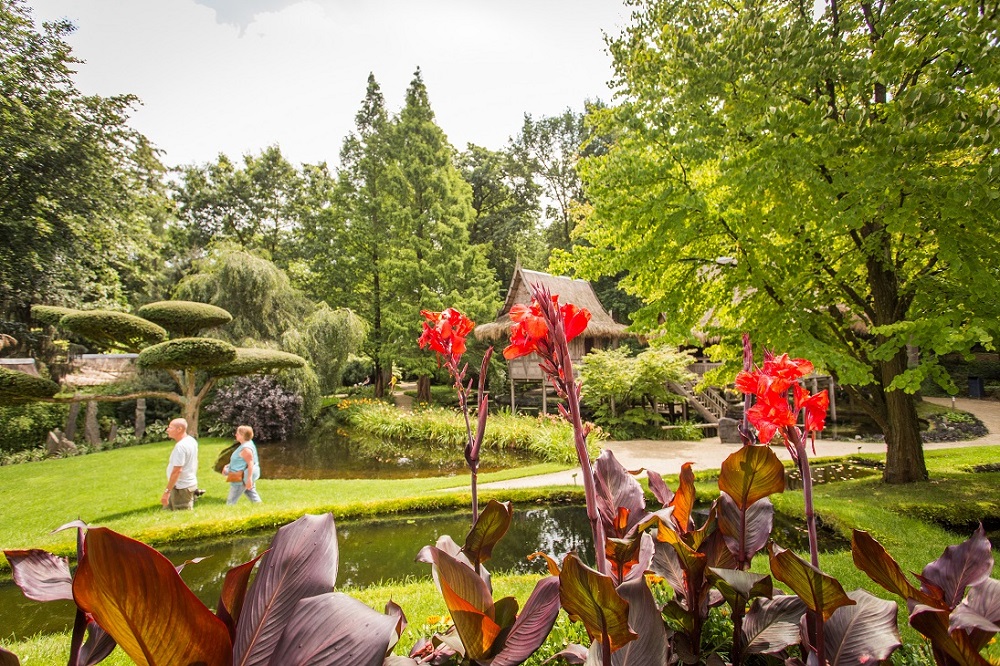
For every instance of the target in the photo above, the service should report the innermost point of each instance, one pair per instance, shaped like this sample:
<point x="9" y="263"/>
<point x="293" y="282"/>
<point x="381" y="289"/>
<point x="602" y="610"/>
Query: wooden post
<point x="510" y="373"/>
<point x="140" y="418"/>
<point x="545" y="395"/>
<point x="74" y="412"/>
<point x="833" y="400"/>
<point x="91" y="431"/>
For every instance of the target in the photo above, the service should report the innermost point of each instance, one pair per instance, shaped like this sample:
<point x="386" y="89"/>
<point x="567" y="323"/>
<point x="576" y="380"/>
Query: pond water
<point x="333" y="453"/>
<point x="372" y="551"/>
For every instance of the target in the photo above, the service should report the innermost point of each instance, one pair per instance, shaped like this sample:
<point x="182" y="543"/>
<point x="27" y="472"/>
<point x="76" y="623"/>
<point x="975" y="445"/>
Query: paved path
<point x="667" y="457"/>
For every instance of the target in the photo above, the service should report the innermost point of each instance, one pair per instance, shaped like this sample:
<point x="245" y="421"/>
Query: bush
<point x="24" y="427"/>
<point x="357" y="370"/>
<point x="261" y="402"/>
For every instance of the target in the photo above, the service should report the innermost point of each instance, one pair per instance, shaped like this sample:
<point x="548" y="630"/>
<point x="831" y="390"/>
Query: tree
<point x="356" y="244"/>
<point x="75" y="225"/>
<point x="505" y="203"/>
<point x="327" y="338"/>
<point x="826" y="181"/>
<point x="256" y="205"/>
<point x="443" y="270"/>
<point x="195" y="364"/>
<point x="395" y="240"/>
<point x="552" y="145"/>
<point x="258" y="294"/>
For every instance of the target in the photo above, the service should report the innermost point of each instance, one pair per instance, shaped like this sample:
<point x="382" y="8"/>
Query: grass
<point x="120" y="489"/>
<point x="546" y="438"/>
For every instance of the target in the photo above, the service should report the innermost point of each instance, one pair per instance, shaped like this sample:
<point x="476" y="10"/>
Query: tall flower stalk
<point x="771" y="415"/>
<point x="445" y="332"/>
<point x="545" y="328"/>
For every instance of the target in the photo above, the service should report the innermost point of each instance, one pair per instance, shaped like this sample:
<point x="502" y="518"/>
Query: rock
<point x="58" y="445"/>
<point x="729" y="432"/>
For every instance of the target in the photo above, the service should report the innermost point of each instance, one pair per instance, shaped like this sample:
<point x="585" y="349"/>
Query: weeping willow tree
<point x="327" y="337"/>
<point x="166" y="343"/>
<point x="259" y="296"/>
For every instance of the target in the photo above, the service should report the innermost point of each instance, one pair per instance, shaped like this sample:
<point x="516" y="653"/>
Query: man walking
<point x="182" y="469"/>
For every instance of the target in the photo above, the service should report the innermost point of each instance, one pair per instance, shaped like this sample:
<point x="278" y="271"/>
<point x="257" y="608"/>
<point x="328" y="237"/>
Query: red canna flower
<point x="445" y="332"/>
<point x="530" y="327"/>
<point x="769" y="415"/>
<point x="784" y="371"/>
<point x="815" y="407"/>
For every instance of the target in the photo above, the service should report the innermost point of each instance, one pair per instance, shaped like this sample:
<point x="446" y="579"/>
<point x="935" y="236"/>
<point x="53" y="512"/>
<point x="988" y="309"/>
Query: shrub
<point x="185" y="318"/>
<point x="24" y="427"/>
<point x="261" y="402"/>
<point x="357" y="370"/>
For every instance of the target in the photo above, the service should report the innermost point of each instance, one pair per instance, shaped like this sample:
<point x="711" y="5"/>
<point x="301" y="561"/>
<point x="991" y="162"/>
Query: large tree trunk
<point x="380" y="382"/>
<point x="91" y="430"/>
<point x="423" y="388"/>
<point x="904" y="460"/>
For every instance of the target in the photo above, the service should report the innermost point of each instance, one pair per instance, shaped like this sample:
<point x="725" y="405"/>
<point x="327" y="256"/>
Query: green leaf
<point x="492" y="523"/>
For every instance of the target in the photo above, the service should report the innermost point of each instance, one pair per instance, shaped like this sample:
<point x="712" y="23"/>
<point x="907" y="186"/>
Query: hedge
<point x="185" y="318"/>
<point x="249" y="360"/>
<point x="17" y="387"/>
<point x="51" y="314"/>
<point x="113" y="329"/>
<point x="187" y="353"/>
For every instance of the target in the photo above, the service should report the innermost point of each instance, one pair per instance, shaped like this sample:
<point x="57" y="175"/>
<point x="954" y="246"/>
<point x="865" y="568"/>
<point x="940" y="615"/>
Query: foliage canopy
<point x="841" y="164"/>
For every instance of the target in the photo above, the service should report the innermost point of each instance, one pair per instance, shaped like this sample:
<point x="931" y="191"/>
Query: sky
<point x="235" y="76"/>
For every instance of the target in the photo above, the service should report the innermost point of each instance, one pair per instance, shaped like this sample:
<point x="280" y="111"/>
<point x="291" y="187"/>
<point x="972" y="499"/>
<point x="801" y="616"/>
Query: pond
<point x="334" y="453"/>
<point x="372" y="551"/>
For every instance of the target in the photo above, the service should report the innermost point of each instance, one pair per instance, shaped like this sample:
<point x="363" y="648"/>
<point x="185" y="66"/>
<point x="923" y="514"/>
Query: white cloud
<point x="295" y="73"/>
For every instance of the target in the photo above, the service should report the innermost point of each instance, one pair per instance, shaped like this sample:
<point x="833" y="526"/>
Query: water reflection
<point x="370" y="551"/>
<point x="332" y="453"/>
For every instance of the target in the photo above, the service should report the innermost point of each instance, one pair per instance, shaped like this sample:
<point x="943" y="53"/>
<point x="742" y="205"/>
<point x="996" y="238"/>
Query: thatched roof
<point x="569" y="290"/>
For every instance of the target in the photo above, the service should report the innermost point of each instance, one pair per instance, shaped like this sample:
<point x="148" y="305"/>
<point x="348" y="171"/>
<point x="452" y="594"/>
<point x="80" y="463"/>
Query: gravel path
<point x="709" y="453"/>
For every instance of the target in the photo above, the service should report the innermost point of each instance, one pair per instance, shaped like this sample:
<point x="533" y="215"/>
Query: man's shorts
<point x="181" y="498"/>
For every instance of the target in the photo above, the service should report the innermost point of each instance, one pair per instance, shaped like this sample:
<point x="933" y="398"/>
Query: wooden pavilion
<point x="602" y="331"/>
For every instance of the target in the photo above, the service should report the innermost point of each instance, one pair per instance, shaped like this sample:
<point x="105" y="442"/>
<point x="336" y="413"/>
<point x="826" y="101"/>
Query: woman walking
<point x="243" y="469"/>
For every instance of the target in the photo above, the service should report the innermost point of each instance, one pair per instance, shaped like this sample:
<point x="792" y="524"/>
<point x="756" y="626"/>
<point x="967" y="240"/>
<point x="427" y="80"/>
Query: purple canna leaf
<point x="8" y="658"/>
<point x="233" y="594"/>
<point x="301" y="563"/>
<point x="41" y="575"/>
<point x="393" y="610"/>
<point x="967" y="564"/>
<point x="533" y="624"/>
<point x="647" y="549"/>
<point x="663" y="494"/>
<point x="617" y="490"/>
<point x="863" y="633"/>
<point x="979" y="613"/>
<point x="73" y="524"/>
<point x="747" y="532"/>
<point x="99" y="645"/>
<point x="652" y="647"/>
<point x="573" y="654"/>
<point x="933" y="623"/>
<point x="772" y="625"/>
<point x="333" y="629"/>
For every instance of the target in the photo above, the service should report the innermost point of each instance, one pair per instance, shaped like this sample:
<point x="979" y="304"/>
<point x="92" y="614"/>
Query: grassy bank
<point x="120" y="489"/>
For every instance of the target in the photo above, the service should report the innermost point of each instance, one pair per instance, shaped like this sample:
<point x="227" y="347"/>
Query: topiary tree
<point x="195" y="364"/>
<point x="185" y="318"/>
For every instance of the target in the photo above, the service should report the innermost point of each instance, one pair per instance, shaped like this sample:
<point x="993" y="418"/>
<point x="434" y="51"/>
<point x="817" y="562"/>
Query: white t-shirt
<point x="185" y="456"/>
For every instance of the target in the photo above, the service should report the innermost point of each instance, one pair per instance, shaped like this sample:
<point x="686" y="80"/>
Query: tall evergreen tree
<point x="436" y="208"/>
<point x="356" y="243"/>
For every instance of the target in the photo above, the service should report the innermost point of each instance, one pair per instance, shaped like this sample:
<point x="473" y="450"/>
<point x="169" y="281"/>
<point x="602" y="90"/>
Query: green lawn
<point x="121" y="489"/>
